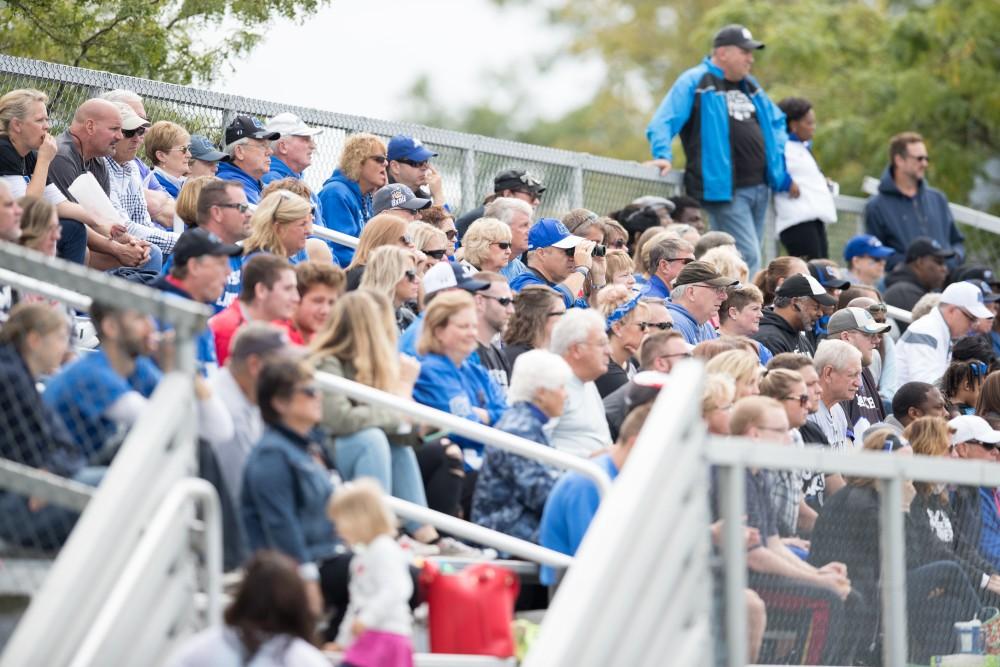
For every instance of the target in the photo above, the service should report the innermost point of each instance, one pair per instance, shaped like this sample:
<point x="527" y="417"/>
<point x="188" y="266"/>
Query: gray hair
<point x="574" y="327"/>
<point x="504" y="209"/>
<point x="534" y="370"/>
<point x="836" y="354"/>
<point x="230" y="149"/>
<point x="926" y="304"/>
<point x="666" y="248"/>
<point x="677" y="293"/>
<point x="121" y="96"/>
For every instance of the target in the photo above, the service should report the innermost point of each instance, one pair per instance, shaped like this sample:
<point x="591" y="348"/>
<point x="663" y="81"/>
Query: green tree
<point x="180" y="41"/>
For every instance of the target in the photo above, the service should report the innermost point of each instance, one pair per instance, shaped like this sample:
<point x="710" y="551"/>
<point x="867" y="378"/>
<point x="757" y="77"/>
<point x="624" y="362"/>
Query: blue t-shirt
<point x="233" y="282"/>
<point x="570" y="508"/>
<point x="408" y="339"/>
<point x="83" y="391"/>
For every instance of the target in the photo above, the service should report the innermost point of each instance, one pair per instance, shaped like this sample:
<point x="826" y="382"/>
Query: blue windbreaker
<point x="345" y="210"/>
<point x="251" y="186"/>
<point x="695" y="107"/>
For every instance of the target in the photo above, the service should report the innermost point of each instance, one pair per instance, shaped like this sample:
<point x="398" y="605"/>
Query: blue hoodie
<point x="345" y="210"/>
<point x="230" y="172"/>
<point x="897" y="219"/>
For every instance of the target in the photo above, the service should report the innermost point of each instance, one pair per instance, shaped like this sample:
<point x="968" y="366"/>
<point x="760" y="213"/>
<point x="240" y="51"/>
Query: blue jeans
<point x="743" y="217"/>
<point x="368" y="453"/>
<point x="72" y="244"/>
<point x="155" y="261"/>
<point x="49" y="527"/>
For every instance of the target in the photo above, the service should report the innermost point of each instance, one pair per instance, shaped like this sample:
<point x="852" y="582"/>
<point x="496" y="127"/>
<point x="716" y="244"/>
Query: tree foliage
<point x="870" y="67"/>
<point x="180" y="41"/>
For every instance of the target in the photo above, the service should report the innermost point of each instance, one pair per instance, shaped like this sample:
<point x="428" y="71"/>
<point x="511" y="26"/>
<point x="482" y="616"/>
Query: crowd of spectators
<point x="559" y="331"/>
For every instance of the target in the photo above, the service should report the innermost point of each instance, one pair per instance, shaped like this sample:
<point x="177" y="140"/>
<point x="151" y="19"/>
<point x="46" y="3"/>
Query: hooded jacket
<point x="777" y="335"/>
<point x="897" y="219"/>
<point x="251" y="186"/>
<point x="695" y="107"/>
<point x="345" y="210"/>
<point x="902" y="288"/>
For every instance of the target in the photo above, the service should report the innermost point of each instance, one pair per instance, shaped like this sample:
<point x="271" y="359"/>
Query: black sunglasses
<point x="436" y="254"/>
<point x="502" y="300"/>
<point x="411" y="163"/>
<point x="503" y="245"/>
<point x="662" y="326"/>
<point x="685" y="260"/>
<point x="242" y="208"/>
<point x="803" y="399"/>
<point x="381" y="159"/>
<point x="139" y="131"/>
<point x="988" y="446"/>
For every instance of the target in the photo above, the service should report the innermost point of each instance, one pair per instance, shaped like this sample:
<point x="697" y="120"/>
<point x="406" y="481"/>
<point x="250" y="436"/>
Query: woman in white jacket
<point x="803" y="212"/>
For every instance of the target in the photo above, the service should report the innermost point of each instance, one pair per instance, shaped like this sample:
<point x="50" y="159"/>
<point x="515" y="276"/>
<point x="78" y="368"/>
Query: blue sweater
<point x="695" y="107"/>
<point x="251" y="186"/>
<point x="897" y="219"/>
<point x="345" y="210"/>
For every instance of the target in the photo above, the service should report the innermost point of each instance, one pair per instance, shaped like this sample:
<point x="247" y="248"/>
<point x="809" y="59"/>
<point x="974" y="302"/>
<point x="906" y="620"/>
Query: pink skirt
<point x="380" y="649"/>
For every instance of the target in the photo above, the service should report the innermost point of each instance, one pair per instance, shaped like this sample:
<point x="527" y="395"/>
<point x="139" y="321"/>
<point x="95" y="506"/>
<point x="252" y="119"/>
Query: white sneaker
<point x="417" y="548"/>
<point x="449" y="546"/>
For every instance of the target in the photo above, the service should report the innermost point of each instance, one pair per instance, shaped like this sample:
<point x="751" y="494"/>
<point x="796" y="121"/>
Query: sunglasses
<point x="137" y="132"/>
<point x="410" y="275"/>
<point x="503" y="245"/>
<point x="415" y="165"/>
<point x="182" y="149"/>
<point x="381" y="159"/>
<point x="803" y="399"/>
<point x="436" y="254"/>
<point x="988" y="446"/>
<point x="662" y="326"/>
<point x="451" y="234"/>
<point x="310" y="390"/>
<point x="685" y="260"/>
<point x="618" y="243"/>
<point x="242" y="208"/>
<point x="502" y="300"/>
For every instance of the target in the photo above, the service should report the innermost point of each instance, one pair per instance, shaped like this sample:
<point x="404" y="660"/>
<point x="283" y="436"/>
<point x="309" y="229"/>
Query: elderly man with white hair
<point x="516" y="214"/>
<point x="838" y="365"/>
<point x="248" y="155"/>
<point x="580" y="338"/>
<point x="511" y="489"/>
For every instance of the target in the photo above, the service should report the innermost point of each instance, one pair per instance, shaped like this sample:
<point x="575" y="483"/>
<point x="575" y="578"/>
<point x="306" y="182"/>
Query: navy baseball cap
<point x="736" y="35"/>
<point x="244" y="127"/>
<point x="865" y="245"/>
<point x="397" y="195"/>
<point x="197" y="242"/>
<point x="828" y="276"/>
<point x="549" y="232"/>
<point x="203" y="149"/>
<point x="402" y="147"/>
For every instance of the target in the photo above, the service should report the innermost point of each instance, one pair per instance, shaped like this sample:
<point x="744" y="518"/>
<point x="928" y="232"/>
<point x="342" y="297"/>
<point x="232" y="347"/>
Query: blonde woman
<point x="384" y="229"/>
<point x="626" y="324"/>
<point x="621" y="270"/>
<point x="281" y="225"/>
<point x="392" y="272"/>
<point x="186" y="207"/>
<point x="168" y="149"/>
<point x="742" y="366"/>
<point x="346" y="197"/>
<point x="717" y="402"/>
<point x="40" y="229"/>
<point x="429" y="240"/>
<point x="487" y="245"/>
<point x="727" y="261"/>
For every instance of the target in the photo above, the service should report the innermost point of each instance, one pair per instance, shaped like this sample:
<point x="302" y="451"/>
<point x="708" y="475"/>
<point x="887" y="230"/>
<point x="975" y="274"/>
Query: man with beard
<point x="798" y="303"/>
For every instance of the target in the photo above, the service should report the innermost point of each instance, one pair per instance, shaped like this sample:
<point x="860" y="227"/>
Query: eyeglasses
<point x="310" y="390"/>
<point x="137" y="132"/>
<point x="410" y="275"/>
<point x="415" y="165"/>
<point x="686" y="260"/>
<point x="502" y="300"/>
<point x="662" y="326"/>
<point x="920" y="158"/>
<point x="803" y="399"/>
<point x="436" y="254"/>
<point x="182" y="149"/>
<point x="503" y="245"/>
<point x="406" y="239"/>
<point x="451" y="234"/>
<point x="683" y="355"/>
<point x="988" y="446"/>
<point x="721" y="291"/>
<point x="242" y="208"/>
<point x="381" y="159"/>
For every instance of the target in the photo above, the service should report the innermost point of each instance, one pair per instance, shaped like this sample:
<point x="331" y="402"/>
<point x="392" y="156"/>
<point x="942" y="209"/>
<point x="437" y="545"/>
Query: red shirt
<point x="224" y="326"/>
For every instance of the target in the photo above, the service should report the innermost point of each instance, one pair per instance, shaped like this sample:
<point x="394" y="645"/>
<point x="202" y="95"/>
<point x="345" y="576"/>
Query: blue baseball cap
<point x="548" y="233"/>
<point x="402" y="147"/>
<point x="203" y="149"/>
<point x="865" y="245"/>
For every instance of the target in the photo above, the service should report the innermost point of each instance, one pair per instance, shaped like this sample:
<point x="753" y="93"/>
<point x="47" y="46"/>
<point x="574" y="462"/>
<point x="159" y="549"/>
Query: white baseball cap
<point x="446" y="275"/>
<point x="288" y="124"/>
<point x="968" y="297"/>
<point x="972" y="427"/>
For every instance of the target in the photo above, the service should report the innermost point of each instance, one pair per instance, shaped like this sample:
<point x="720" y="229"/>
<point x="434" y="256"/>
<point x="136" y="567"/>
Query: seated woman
<point x="742" y="366"/>
<point x="280" y="225"/>
<point x="511" y="490"/>
<point x="717" y="402"/>
<point x="431" y="241"/>
<point x="961" y="385"/>
<point x="33" y="343"/>
<point x="487" y="245"/>
<point x="440" y="218"/>
<point x="448" y="380"/>
<point x="168" y="149"/>
<point x="392" y="272"/>
<point x="382" y="230"/>
<point x="626" y="318"/>
<point x="186" y="206"/>
<point x="271" y="620"/>
<point x="847" y="531"/>
<point x="40" y="228"/>
<point x="537" y="308"/>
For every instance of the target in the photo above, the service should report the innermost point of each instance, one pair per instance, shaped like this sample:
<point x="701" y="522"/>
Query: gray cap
<point x="855" y="319"/>
<point x="397" y="195"/>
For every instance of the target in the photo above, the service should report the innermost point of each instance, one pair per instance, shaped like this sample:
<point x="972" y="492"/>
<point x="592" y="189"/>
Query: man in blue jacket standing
<point x="733" y="137"/>
<point x="906" y="207"/>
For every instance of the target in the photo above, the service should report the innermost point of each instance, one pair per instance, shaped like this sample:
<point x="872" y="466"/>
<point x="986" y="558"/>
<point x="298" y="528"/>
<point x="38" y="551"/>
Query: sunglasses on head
<point x="436" y="254"/>
<point x="137" y="132"/>
<point x="406" y="239"/>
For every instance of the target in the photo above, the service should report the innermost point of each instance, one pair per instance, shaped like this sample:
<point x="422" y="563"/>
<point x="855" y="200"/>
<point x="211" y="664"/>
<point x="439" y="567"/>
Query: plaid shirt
<point x="128" y="197"/>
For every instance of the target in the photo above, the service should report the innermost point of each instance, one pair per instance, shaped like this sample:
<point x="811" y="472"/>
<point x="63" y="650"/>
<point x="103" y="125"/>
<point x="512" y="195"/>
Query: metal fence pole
<point x="576" y="188"/>
<point x="893" y="572"/>
<point x="733" y="486"/>
<point x="469" y="196"/>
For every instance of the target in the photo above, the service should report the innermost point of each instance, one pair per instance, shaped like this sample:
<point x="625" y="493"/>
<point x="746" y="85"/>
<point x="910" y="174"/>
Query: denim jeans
<point x="368" y="453"/>
<point x="49" y="527"/>
<point x="743" y="217"/>
<point x="937" y="595"/>
<point x="72" y="244"/>
<point x="155" y="261"/>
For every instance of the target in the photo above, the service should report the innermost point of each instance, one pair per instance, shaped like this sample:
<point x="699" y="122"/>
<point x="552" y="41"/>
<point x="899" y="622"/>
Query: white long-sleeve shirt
<point x="815" y="201"/>
<point x="380" y="590"/>
<point x="923" y="352"/>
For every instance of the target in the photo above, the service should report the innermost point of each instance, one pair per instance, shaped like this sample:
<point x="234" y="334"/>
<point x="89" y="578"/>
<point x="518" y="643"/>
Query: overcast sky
<point x="360" y="57"/>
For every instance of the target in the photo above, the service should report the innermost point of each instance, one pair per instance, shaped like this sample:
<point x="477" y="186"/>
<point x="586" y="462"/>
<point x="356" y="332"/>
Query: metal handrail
<point x="962" y="214"/>
<point x="469" y="429"/>
<point x="322" y="232"/>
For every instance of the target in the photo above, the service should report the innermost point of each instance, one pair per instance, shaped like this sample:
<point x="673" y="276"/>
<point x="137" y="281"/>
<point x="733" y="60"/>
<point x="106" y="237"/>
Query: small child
<point x="376" y="628"/>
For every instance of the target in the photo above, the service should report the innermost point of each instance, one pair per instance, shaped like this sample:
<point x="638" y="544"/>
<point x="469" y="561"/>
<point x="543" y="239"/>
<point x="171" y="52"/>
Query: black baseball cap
<point x="736" y="35"/>
<point x="248" y="127"/>
<point x="199" y="242"/>
<point x="923" y="246"/>
<point x="703" y="272"/>
<point x="517" y="179"/>
<point x="799" y="285"/>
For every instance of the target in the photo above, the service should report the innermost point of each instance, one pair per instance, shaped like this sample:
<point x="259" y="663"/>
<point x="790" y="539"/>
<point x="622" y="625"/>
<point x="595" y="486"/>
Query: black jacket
<point x="777" y="335"/>
<point x="902" y="289"/>
<point x="924" y="545"/>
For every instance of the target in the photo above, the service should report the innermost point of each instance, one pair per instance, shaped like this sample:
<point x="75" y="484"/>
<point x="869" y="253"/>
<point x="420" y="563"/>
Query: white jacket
<point x="923" y="352"/>
<point x="815" y="201"/>
<point x="380" y="589"/>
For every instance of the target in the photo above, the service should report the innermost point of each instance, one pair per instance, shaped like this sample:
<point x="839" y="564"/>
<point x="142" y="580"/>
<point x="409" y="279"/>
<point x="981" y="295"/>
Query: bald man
<point x="93" y="134"/>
